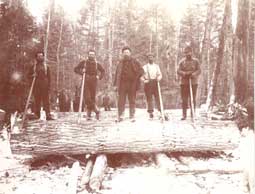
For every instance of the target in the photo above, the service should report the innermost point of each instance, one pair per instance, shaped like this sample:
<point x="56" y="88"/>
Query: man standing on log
<point x="189" y="69"/>
<point x="41" y="89"/>
<point x="90" y="67"/>
<point x="152" y="75"/>
<point x="127" y="82"/>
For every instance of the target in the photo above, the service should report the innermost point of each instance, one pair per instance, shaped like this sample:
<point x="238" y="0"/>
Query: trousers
<point x="185" y="95"/>
<point x="42" y="98"/>
<point x="151" y="90"/>
<point x="90" y="93"/>
<point x="127" y="89"/>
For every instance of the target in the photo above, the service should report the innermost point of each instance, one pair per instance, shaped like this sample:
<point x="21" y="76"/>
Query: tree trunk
<point x="241" y="78"/>
<point x="227" y="77"/>
<point x="202" y="89"/>
<point x="220" y="54"/>
<point x="65" y="136"/>
<point x="110" y="44"/>
<point x="47" y="33"/>
<point x="156" y="33"/>
<point x="98" y="172"/>
<point x="58" y="51"/>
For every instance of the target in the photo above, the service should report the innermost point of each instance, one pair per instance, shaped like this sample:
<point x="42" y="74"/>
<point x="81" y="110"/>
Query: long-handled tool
<point x="191" y="100"/>
<point x="116" y="105"/>
<point x="27" y="103"/>
<point x="161" y="103"/>
<point x="81" y="97"/>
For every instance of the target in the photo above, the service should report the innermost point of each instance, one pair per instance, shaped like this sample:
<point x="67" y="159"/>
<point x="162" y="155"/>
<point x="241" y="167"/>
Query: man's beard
<point x="151" y="61"/>
<point x="39" y="60"/>
<point x="188" y="56"/>
<point x="126" y="57"/>
<point x="91" y="58"/>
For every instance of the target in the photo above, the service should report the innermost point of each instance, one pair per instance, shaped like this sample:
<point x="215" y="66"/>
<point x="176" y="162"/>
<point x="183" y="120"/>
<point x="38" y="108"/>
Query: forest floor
<point x="133" y="173"/>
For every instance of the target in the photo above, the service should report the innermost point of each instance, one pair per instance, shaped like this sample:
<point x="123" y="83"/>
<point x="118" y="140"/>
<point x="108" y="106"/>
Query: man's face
<point x="126" y="53"/>
<point x="188" y="54"/>
<point x="150" y="58"/>
<point x="92" y="55"/>
<point x="40" y="57"/>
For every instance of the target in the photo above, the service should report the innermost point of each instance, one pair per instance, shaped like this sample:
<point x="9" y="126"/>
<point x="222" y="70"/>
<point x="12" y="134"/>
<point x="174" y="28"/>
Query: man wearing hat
<point x="91" y="68"/>
<point x="126" y="81"/>
<point x="41" y="89"/>
<point x="189" y="69"/>
<point x="151" y="76"/>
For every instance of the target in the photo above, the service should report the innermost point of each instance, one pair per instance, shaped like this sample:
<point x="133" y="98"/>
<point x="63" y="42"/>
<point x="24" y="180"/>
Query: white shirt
<point x="151" y="71"/>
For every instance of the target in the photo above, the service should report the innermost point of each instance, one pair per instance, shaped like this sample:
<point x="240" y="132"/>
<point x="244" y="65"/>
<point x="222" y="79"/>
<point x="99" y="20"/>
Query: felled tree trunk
<point x="67" y="137"/>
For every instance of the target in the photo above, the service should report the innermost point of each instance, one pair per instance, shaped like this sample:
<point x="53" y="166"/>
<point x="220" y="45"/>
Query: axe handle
<point x="27" y="103"/>
<point x="191" y="99"/>
<point x="161" y="102"/>
<point x="81" y="97"/>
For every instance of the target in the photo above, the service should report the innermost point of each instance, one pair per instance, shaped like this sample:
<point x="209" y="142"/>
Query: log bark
<point x="98" y="172"/>
<point x="65" y="136"/>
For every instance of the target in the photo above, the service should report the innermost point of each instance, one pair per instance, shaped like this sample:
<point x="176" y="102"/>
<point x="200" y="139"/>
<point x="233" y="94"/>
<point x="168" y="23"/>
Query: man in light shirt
<point x="151" y="76"/>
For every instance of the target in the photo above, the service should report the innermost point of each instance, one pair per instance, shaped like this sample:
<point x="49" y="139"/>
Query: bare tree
<point x="220" y="55"/>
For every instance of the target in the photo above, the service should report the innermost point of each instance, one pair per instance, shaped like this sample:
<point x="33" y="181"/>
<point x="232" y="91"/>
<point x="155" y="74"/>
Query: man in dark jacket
<point x="189" y="69"/>
<point x="90" y="67"/>
<point x="41" y="90"/>
<point x="126" y="81"/>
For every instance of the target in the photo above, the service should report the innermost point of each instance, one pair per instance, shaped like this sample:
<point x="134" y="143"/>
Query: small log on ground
<point x="73" y="180"/>
<point x="202" y="167"/>
<point x="87" y="173"/>
<point x="98" y="172"/>
<point x="65" y="137"/>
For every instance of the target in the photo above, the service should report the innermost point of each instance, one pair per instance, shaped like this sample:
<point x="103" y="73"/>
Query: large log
<point x="66" y="136"/>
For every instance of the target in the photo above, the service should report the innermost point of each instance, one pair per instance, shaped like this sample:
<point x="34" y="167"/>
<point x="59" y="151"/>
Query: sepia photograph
<point x="127" y="96"/>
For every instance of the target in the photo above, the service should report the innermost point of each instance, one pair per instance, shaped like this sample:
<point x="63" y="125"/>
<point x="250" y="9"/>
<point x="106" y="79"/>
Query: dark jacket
<point x="43" y="78"/>
<point x="191" y="67"/>
<point x="91" y="68"/>
<point x="137" y="69"/>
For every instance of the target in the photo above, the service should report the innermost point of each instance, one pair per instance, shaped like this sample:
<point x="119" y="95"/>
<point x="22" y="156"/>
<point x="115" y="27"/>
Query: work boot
<point x="120" y="118"/>
<point x="132" y="118"/>
<point x="183" y="118"/>
<point x="88" y="115"/>
<point x="37" y="115"/>
<point x="97" y="115"/>
<point x="151" y="115"/>
<point x="184" y="114"/>
<point x="49" y="118"/>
